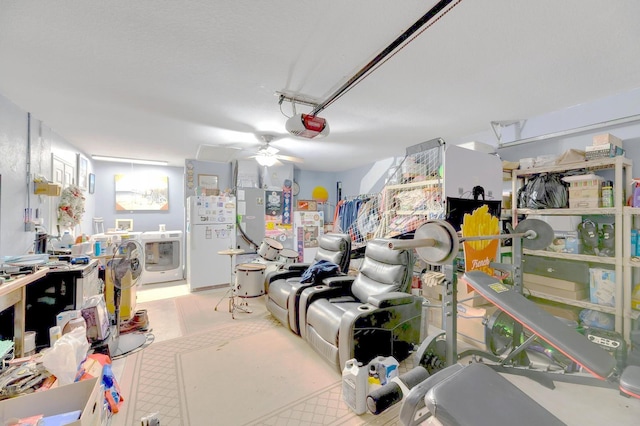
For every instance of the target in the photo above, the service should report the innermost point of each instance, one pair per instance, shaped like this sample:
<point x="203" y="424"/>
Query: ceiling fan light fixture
<point x="266" y="160"/>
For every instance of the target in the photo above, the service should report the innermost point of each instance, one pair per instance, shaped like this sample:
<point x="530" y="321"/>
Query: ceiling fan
<point x="268" y="156"/>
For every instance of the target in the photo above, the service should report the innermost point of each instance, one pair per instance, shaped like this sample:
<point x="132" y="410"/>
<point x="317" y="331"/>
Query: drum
<point x="269" y="249"/>
<point x="269" y="265"/>
<point x="288" y="256"/>
<point x="250" y="280"/>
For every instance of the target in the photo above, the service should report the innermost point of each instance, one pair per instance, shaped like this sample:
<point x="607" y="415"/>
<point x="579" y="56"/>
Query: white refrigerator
<point x="211" y="227"/>
<point x="308" y="226"/>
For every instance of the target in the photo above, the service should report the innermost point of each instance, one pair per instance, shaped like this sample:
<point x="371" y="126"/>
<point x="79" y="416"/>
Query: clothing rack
<point x="359" y="217"/>
<point x="360" y="196"/>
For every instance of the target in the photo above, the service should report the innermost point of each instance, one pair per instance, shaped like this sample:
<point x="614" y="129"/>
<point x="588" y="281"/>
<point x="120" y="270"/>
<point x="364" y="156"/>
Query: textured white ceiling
<point x="155" y="79"/>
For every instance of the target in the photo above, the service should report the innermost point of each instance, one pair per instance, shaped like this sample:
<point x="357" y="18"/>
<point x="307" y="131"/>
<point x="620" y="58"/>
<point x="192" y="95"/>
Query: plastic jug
<point x="635" y="198"/>
<point x="385" y="367"/>
<point x="354" y="385"/>
<point x="66" y="240"/>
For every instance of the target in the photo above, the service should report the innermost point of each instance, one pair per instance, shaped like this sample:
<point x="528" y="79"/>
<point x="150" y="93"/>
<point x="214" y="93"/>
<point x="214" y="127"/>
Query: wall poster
<point x="141" y="192"/>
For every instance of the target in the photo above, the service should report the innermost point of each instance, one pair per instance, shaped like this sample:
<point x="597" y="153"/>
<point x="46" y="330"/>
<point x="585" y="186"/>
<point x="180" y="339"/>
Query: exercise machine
<point x="436" y="242"/>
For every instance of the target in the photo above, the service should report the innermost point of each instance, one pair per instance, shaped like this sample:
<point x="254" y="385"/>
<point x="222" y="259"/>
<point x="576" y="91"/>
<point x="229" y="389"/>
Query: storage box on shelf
<point x="47" y="188"/>
<point x="605" y="139"/>
<point x="585" y="193"/>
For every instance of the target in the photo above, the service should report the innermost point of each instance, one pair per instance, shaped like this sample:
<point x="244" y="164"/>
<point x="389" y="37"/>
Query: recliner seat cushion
<point x="279" y="291"/>
<point x="325" y="317"/>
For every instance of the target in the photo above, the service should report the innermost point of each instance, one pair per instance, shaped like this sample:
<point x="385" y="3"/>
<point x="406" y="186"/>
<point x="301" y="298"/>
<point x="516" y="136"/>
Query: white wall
<point x="25" y="153"/>
<point x="16" y="192"/>
<point x="173" y="218"/>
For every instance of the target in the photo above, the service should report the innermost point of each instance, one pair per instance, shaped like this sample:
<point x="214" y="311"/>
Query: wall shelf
<point x="620" y="215"/>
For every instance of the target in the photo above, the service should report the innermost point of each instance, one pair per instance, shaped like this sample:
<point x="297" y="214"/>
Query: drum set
<point x="250" y="277"/>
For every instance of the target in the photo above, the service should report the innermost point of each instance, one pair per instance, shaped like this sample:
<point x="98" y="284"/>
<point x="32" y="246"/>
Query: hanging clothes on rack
<point x="359" y="217"/>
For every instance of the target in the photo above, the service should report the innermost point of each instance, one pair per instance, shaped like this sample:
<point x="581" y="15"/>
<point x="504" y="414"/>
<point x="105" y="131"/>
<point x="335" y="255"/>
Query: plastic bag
<point x="597" y="319"/>
<point x="545" y="191"/>
<point x="66" y="355"/>
<point x="112" y="392"/>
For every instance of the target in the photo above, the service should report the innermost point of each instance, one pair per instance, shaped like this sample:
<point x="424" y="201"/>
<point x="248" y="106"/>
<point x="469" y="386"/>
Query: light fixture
<point x="265" y="159"/>
<point x="129" y="160"/>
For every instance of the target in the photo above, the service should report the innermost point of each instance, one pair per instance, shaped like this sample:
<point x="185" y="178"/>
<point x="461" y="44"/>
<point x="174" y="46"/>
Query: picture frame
<point x="141" y="192"/>
<point x="124" y="225"/>
<point x="83" y="172"/>
<point x="92" y="183"/>
<point x="208" y="181"/>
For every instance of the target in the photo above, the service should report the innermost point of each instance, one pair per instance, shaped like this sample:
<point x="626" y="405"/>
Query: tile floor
<point x="574" y="404"/>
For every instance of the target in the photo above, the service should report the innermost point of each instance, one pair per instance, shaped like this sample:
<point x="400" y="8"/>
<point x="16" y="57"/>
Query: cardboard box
<point x="554" y="282"/>
<point x="94" y="312"/>
<point x="86" y="396"/>
<point x="471" y="321"/>
<point x="433" y="313"/>
<point x="470" y="298"/>
<point x="602" y="285"/>
<point x="64" y="317"/>
<point x="602" y="151"/>
<point x="584" y="191"/>
<point x="605" y="139"/>
<point x="560" y="224"/>
<point x="579" y="294"/>
<point x="46" y="188"/>
<point x="558" y="309"/>
<point x="584" y="203"/>
<point x="432" y="292"/>
<point x="311" y="205"/>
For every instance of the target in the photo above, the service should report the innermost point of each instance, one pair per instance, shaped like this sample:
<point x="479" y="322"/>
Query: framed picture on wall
<point x="124" y="224"/>
<point x="92" y="183"/>
<point x="83" y="172"/>
<point x="140" y="191"/>
<point x="208" y="181"/>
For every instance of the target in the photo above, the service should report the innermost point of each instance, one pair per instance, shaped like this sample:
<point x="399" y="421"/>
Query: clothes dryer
<point x="163" y="258"/>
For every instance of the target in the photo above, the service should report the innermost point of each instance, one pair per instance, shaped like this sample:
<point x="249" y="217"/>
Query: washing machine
<point x="162" y="256"/>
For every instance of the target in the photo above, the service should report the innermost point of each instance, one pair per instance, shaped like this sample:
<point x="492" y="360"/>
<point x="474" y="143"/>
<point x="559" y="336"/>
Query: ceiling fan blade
<point x="290" y="158"/>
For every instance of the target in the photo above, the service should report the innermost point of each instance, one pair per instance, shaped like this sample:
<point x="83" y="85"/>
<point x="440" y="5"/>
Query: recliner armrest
<point x="395" y="298"/>
<point x="282" y="275"/>
<point x="296" y="266"/>
<point x="338" y="281"/>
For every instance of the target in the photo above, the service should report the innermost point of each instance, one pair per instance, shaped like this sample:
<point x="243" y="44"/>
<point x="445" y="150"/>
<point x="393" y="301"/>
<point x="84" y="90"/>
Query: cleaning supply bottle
<point x="635" y="197"/>
<point x="607" y="194"/>
<point x="66" y="240"/>
<point x="354" y="385"/>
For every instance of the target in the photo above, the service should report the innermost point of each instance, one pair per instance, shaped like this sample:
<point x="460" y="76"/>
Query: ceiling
<point x="155" y="79"/>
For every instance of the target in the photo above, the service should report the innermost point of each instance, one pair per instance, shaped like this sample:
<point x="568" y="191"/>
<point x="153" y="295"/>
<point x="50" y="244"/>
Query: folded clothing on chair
<point x="319" y="270"/>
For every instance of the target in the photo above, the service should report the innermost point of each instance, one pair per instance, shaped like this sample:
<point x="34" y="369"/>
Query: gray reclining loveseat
<point x="364" y="316"/>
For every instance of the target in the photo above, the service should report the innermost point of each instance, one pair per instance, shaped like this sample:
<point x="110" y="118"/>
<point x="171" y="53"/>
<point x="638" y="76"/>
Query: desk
<point x="13" y="293"/>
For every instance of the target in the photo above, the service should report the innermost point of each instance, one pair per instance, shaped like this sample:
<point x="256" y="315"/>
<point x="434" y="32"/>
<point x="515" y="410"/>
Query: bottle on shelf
<point x="66" y="240"/>
<point x="635" y="201"/>
<point x="607" y="194"/>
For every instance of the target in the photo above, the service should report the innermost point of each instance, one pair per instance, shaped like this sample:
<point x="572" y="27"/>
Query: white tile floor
<point x="574" y="404"/>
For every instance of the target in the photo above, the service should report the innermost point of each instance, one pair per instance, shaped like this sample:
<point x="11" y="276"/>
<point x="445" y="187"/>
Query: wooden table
<point x="13" y="293"/>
